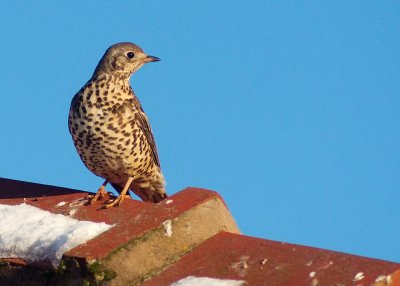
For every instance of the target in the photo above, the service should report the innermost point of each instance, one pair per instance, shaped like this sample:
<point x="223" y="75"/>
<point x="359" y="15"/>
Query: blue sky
<point x="289" y="109"/>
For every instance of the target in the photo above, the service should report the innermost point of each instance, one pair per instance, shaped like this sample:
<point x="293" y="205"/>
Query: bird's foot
<point x="116" y="202"/>
<point x="101" y="193"/>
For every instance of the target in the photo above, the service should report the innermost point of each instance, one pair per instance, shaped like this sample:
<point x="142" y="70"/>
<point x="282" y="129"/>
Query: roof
<point x="192" y="233"/>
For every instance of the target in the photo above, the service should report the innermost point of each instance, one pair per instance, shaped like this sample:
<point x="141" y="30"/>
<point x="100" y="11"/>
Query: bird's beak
<point x="149" y="59"/>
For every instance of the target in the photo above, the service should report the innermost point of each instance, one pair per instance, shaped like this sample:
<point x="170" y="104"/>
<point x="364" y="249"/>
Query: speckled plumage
<point x="110" y="130"/>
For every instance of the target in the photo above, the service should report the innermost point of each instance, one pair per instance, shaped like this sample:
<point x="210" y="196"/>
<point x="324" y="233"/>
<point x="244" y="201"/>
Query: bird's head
<point x="123" y="60"/>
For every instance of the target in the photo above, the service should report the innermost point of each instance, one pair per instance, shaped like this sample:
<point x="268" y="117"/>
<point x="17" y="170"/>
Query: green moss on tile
<point x="109" y="275"/>
<point x="3" y="263"/>
<point x="61" y="268"/>
<point x="100" y="273"/>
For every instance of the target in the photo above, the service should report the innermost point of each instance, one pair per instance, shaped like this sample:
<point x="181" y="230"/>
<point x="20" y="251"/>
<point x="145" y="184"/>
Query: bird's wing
<point x="143" y="122"/>
<point x="75" y="104"/>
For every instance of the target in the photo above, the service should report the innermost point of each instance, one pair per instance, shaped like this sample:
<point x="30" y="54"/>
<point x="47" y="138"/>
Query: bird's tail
<point x="147" y="191"/>
<point x="150" y="195"/>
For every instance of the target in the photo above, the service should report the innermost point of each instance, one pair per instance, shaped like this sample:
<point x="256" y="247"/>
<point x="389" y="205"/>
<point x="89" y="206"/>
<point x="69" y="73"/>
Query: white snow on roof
<point x="33" y="234"/>
<point x="206" y="281"/>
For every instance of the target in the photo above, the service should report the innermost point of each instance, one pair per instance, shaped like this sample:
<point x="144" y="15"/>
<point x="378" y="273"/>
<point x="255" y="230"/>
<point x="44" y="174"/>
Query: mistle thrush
<point x="110" y="130"/>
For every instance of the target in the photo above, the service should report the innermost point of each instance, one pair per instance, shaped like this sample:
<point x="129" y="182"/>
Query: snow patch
<point x="359" y="276"/>
<point x="60" y="204"/>
<point x="33" y="234"/>
<point x="72" y="212"/>
<point x="380" y="278"/>
<point x="167" y="227"/>
<point x="78" y="203"/>
<point x="241" y="267"/>
<point x="205" y="281"/>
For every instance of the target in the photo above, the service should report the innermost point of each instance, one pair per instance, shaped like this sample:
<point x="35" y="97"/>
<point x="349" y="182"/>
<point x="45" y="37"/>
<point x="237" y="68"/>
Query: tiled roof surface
<point x="189" y="234"/>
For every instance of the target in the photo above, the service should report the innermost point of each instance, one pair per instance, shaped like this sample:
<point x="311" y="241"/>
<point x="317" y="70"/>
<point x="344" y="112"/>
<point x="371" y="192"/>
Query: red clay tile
<point x="14" y="261"/>
<point x="131" y="219"/>
<point x="226" y="255"/>
<point x="264" y="262"/>
<point x="10" y="189"/>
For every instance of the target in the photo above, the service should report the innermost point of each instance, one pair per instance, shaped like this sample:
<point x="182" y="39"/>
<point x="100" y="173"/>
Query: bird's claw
<point x="114" y="202"/>
<point x="101" y="193"/>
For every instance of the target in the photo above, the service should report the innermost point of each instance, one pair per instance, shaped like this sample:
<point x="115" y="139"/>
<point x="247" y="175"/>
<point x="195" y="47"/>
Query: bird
<point x="112" y="133"/>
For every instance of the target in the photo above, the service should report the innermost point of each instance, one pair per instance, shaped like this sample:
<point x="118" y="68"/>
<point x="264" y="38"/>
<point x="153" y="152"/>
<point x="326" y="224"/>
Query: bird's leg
<point x="121" y="196"/>
<point x="101" y="193"/>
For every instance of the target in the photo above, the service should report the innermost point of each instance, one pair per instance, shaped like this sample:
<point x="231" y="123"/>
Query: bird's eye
<point x="130" y="55"/>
